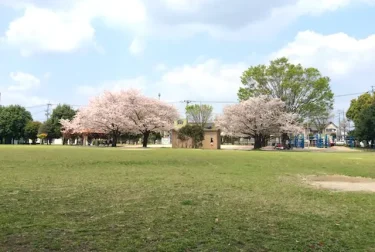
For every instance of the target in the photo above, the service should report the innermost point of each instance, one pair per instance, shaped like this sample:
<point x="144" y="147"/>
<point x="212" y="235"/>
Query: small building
<point x="212" y="140"/>
<point x="212" y="136"/>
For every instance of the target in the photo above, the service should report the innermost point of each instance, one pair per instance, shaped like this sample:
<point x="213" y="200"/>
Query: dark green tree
<point x="155" y="136"/>
<point x="63" y="111"/>
<point x="365" y="126"/>
<point x="13" y="120"/>
<point x="32" y="130"/>
<point x="358" y="105"/>
<point x="195" y="132"/>
<point x="48" y="128"/>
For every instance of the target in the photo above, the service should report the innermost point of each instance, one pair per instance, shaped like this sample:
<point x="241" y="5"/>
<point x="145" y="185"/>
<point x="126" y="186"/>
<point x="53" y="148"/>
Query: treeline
<point x="16" y="124"/>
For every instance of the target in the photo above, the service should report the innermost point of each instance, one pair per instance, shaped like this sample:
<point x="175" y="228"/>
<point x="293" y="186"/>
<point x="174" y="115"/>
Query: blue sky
<point x="65" y="51"/>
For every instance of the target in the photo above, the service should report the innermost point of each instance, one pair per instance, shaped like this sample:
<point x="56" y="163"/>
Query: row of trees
<point x="275" y="99"/>
<point x="17" y="123"/>
<point x="118" y="113"/>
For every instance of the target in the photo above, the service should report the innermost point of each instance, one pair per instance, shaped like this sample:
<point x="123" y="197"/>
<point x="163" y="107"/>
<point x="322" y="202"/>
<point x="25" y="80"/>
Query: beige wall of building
<point x="212" y="140"/>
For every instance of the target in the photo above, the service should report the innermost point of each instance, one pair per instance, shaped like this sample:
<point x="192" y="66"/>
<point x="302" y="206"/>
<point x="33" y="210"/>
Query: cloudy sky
<point x="65" y="51"/>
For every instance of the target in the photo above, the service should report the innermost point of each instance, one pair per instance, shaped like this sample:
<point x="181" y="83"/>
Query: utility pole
<point x="339" y="111"/>
<point x="48" y="110"/>
<point x="187" y="102"/>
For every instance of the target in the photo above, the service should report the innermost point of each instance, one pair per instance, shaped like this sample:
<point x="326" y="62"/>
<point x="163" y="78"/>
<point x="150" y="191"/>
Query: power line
<point x="36" y="106"/>
<point x="48" y="110"/>
<point x="343" y="95"/>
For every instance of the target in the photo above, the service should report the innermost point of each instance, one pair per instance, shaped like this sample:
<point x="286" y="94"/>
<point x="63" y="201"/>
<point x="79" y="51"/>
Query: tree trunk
<point x="257" y="142"/>
<point x="145" y="138"/>
<point x="114" y="140"/>
<point x="284" y="137"/>
<point x="264" y="141"/>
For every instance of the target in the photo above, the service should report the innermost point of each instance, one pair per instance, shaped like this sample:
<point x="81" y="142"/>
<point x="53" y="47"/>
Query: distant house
<point x="330" y="129"/>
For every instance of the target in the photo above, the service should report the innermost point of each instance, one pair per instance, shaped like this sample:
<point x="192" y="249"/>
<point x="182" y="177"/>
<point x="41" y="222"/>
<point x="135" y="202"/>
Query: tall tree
<point x="303" y="90"/>
<point x="13" y="120"/>
<point x="365" y="126"/>
<point x="358" y="105"/>
<point x="199" y="114"/>
<point x="32" y="130"/>
<point x="258" y="118"/>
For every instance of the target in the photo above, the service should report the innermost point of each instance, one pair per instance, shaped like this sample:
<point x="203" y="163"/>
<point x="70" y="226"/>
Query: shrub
<point x="195" y="132"/>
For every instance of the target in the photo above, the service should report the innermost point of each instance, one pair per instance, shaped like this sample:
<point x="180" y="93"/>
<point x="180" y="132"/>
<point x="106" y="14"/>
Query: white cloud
<point x="210" y="80"/>
<point x="23" y="81"/>
<point x="42" y="29"/>
<point x="348" y="61"/>
<point x="53" y="28"/>
<point x="23" y="99"/>
<point x="65" y="26"/>
<point x="116" y="85"/>
<point x="137" y="47"/>
<point x="337" y="54"/>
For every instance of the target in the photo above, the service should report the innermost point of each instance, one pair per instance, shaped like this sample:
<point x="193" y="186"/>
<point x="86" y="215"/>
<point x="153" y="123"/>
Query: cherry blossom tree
<point x="147" y="115"/>
<point x="258" y="117"/>
<point x="127" y="111"/>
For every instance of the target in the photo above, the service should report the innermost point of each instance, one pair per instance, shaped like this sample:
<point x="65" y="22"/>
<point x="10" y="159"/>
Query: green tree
<point x="48" y="128"/>
<point x="155" y="136"/>
<point x="358" y="105"/>
<point x="304" y="90"/>
<point x="13" y="120"/>
<point x="195" y="132"/>
<point x="199" y="114"/>
<point x="365" y="127"/>
<point x="63" y="111"/>
<point x="31" y="130"/>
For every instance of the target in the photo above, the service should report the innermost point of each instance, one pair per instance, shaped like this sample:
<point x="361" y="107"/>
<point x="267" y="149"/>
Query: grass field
<point x="82" y="199"/>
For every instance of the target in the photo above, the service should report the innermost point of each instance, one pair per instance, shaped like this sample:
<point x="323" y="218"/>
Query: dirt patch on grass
<point x="343" y="183"/>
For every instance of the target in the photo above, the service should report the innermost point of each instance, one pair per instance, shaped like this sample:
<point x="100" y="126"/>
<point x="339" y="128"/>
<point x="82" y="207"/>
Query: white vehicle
<point x="340" y="143"/>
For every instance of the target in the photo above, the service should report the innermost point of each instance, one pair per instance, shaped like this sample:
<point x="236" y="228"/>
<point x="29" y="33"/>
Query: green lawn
<point x="82" y="199"/>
